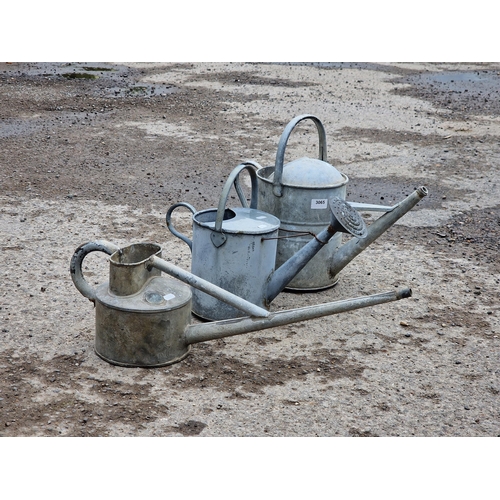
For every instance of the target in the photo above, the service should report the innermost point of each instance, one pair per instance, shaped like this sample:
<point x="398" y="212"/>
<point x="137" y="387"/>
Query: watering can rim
<point x="158" y="251"/>
<point x="272" y="222"/>
<point x="265" y="172"/>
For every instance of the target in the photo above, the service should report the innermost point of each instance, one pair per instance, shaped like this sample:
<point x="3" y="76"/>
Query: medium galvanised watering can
<point x="297" y="194"/>
<point x="143" y="318"/>
<point x="235" y="248"/>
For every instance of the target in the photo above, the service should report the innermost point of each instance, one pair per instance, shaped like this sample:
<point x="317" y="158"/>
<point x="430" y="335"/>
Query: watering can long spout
<point x="225" y="328"/>
<point x="343" y="218"/>
<point x="355" y="246"/>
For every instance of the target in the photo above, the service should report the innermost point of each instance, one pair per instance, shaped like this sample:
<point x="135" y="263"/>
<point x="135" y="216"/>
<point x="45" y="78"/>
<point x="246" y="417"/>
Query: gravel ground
<point x="101" y="150"/>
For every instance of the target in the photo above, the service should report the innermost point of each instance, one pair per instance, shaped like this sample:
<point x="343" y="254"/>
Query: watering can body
<point x="138" y="312"/>
<point x="243" y="264"/>
<point x="298" y="193"/>
<point x="303" y="212"/>
<point x="234" y="248"/>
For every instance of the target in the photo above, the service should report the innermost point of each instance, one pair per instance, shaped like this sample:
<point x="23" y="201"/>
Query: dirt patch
<point x="461" y="93"/>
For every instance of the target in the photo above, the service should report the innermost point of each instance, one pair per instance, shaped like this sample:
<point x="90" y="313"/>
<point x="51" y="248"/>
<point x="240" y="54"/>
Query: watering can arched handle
<point x="280" y="155"/>
<point x="233" y="178"/>
<point x="75" y="267"/>
<point x="172" y="229"/>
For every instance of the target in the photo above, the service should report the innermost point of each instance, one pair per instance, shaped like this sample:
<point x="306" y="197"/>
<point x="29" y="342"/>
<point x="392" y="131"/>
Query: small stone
<point x="403" y="323"/>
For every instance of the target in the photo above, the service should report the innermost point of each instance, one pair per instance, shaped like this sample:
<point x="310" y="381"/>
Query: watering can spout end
<point x="406" y="293"/>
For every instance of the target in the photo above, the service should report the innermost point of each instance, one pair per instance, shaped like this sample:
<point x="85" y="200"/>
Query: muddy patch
<point x="390" y="191"/>
<point x="209" y="368"/>
<point x="459" y="92"/>
<point x="248" y="78"/>
<point x="472" y="236"/>
<point x="63" y="397"/>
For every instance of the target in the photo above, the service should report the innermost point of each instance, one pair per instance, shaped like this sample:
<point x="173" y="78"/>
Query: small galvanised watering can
<point x="235" y="248"/>
<point x="297" y="194"/>
<point x="143" y="318"/>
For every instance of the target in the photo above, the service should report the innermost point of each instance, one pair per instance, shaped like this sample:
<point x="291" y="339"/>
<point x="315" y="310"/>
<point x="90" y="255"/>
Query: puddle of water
<point x="471" y="81"/>
<point x="109" y="77"/>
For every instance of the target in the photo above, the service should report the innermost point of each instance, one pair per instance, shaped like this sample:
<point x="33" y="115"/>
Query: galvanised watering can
<point x="143" y="318"/>
<point x="297" y="194"/>
<point x="235" y="248"/>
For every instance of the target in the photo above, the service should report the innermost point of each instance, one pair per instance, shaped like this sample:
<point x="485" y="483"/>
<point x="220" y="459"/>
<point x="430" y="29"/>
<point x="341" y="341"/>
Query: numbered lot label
<point x="319" y="204"/>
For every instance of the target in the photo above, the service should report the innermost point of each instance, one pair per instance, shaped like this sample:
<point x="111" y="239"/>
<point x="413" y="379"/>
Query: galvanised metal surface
<point x="234" y="248"/>
<point x="355" y="246"/>
<point x="298" y="195"/>
<point x="128" y="271"/>
<point x="151" y="327"/>
<point x="221" y="329"/>
<point x="225" y="297"/>
<point x="143" y="330"/>
<point x="138" y="313"/>
<point x="75" y="267"/>
<point x="243" y="264"/>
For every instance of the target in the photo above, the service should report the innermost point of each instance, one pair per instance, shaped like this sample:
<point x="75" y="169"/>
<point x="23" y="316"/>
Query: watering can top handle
<point x="170" y="226"/>
<point x="252" y="167"/>
<point x="280" y="155"/>
<point x="75" y="267"/>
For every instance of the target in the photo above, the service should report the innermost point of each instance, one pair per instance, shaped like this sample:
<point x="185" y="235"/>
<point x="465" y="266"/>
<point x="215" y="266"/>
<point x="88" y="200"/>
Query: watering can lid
<point x="245" y="221"/>
<point x="311" y="172"/>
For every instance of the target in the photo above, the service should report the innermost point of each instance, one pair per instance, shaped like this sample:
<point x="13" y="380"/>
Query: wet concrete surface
<point x="90" y="158"/>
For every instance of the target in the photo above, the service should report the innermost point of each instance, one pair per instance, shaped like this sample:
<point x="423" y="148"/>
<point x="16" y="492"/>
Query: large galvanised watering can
<point x="235" y="248"/>
<point x="297" y="194"/>
<point x="143" y="318"/>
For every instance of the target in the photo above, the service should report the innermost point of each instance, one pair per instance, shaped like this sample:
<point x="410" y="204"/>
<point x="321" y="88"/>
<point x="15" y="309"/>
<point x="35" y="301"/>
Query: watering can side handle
<point x="280" y="155"/>
<point x="232" y="179"/>
<point x="171" y="227"/>
<point x="75" y="267"/>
